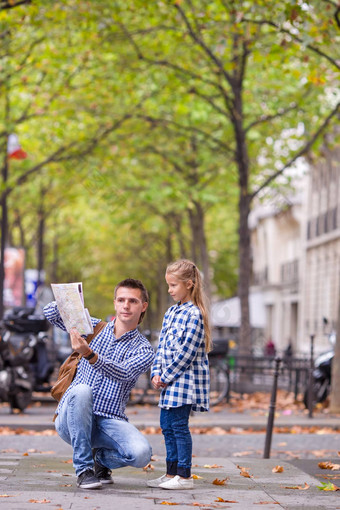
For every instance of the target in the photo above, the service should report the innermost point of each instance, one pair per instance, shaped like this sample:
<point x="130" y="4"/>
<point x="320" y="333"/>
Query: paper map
<point x="70" y="301"/>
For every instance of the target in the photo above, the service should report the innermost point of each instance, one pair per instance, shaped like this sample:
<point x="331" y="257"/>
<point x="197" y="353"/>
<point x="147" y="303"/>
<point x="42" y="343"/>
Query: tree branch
<point x="11" y="4"/>
<point x="306" y="148"/>
<point x="201" y="43"/>
<point x="205" y="135"/>
<point x="293" y="36"/>
<point x="268" y="118"/>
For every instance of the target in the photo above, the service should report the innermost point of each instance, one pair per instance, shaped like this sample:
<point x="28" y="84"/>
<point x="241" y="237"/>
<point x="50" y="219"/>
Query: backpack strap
<point x="97" y="329"/>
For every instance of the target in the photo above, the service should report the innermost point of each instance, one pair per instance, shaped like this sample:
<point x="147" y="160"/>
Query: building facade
<point x="276" y="239"/>
<point x="296" y="259"/>
<point x="321" y="281"/>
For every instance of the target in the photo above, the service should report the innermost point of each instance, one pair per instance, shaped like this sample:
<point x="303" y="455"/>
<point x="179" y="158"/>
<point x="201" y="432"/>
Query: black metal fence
<point x="255" y="373"/>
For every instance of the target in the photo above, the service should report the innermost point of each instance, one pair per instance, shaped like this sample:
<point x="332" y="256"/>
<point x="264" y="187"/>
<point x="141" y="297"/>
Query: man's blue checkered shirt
<point x="114" y="374"/>
<point x="181" y="360"/>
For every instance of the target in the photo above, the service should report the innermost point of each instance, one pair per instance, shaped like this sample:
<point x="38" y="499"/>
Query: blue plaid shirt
<point x="181" y="360"/>
<point x="114" y="374"/>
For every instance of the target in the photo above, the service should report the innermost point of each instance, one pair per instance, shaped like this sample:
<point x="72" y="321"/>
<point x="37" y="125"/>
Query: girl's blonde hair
<point x="185" y="270"/>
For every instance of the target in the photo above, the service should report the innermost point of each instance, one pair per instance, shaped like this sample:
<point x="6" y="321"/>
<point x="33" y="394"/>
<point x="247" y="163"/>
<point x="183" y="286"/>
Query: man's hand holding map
<point x="70" y="301"/>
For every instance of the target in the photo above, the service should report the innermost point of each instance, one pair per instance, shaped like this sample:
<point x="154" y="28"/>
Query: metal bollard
<point x="310" y="379"/>
<point x="271" y="415"/>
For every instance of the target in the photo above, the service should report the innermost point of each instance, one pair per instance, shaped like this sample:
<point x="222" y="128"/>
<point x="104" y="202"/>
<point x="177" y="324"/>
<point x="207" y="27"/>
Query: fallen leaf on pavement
<point x="244" y="472"/>
<point x="328" y="465"/>
<point x="196" y="477"/>
<point x="168" y="503"/>
<point x="220" y="482"/>
<point x="39" y="501"/>
<point x="25" y="454"/>
<point x="299" y="487"/>
<point x="69" y="461"/>
<point x="149" y="467"/>
<point x="221" y="500"/>
<point x="241" y="454"/>
<point x="277" y="469"/>
<point x="328" y="487"/>
<point x="213" y="466"/>
<point x="6" y="496"/>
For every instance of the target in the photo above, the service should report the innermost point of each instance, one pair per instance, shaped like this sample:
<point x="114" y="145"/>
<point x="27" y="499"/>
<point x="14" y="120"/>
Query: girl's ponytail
<point x="186" y="270"/>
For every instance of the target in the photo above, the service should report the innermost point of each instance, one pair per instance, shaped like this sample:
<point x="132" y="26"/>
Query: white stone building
<point x="276" y="239"/>
<point x="321" y="276"/>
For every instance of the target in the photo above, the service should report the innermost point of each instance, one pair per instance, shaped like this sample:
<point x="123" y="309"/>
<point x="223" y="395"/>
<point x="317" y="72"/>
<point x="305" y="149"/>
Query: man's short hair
<point x="132" y="283"/>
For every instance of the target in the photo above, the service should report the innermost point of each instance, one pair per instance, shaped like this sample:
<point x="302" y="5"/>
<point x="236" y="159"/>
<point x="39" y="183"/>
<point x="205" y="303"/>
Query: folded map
<point x="70" y="301"/>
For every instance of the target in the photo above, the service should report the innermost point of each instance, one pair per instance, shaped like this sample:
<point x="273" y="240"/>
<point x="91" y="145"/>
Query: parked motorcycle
<point x="321" y="379"/>
<point x="25" y="361"/>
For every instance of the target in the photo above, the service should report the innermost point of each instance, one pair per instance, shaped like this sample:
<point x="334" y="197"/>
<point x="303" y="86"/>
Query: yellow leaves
<point x="328" y="487"/>
<point x="196" y="477"/>
<point x="329" y="465"/>
<point x="39" y="501"/>
<point x="168" y="503"/>
<point x="6" y="496"/>
<point x="220" y="482"/>
<point x="277" y="469"/>
<point x="148" y="467"/>
<point x="299" y="487"/>
<point x="244" y="472"/>
<point x="221" y="500"/>
<point x="213" y="466"/>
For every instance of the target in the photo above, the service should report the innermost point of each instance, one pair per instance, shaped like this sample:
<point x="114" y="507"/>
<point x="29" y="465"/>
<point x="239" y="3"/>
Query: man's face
<point x="129" y="306"/>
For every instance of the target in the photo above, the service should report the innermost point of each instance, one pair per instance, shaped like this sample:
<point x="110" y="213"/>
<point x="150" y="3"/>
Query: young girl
<point x="181" y="370"/>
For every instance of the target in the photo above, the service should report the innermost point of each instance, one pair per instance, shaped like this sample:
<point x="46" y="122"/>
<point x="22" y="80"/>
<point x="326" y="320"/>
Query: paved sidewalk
<point x="39" y="417"/>
<point x="28" y="479"/>
<point x="37" y="469"/>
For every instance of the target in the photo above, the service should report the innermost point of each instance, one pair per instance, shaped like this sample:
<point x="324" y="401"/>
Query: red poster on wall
<point x="14" y="276"/>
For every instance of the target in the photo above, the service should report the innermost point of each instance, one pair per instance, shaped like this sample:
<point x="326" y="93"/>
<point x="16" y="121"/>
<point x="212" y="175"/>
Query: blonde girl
<point x="181" y="370"/>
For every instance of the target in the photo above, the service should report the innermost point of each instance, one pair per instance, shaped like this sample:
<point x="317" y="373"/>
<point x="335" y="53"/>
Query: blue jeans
<point x="178" y="442"/>
<point x="119" y="443"/>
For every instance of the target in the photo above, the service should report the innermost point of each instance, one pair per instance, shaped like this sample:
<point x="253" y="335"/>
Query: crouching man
<point x="91" y="414"/>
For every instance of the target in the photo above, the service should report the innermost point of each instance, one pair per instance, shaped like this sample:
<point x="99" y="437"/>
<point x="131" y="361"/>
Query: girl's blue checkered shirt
<point x="120" y="363"/>
<point x="181" y="360"/>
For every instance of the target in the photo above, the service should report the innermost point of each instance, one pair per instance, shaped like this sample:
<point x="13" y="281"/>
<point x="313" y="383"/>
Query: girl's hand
<point x="157" y="383"/>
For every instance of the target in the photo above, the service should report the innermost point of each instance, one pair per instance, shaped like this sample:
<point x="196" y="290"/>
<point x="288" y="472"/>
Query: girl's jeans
<point x="120" y="443"/>
<point x="175" y="427"/>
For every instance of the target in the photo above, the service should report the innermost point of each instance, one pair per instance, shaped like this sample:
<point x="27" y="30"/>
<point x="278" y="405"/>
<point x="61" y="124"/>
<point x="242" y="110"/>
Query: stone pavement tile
<point x="42" y="476"/>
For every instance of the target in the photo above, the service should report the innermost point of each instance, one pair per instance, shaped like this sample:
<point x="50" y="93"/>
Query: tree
<point x="269" y="83"/>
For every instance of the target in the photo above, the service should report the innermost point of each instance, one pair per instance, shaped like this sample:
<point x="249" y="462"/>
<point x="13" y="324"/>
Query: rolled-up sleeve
<point x="52" y="314"/>
<point x="130" y="369"/>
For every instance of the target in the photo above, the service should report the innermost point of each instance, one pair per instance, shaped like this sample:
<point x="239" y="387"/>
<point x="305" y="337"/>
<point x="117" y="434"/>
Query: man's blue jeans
<point x="175" y="427"/>
<point x="120" y="443"/>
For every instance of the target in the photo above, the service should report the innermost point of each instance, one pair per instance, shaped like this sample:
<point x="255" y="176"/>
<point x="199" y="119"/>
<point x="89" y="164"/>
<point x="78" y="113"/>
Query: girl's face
<point x="178" y="290"/>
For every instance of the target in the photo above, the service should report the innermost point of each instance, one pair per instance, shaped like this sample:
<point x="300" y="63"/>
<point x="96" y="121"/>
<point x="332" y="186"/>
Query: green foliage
<point x="131" y="113"/>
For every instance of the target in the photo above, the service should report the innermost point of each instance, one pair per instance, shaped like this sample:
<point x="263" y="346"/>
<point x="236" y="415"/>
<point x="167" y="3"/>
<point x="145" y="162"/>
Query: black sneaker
<point x="88" y="480"/>
<point x="101" y="472"/>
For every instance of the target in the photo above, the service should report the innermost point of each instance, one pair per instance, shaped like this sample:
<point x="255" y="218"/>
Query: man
<point x="91" y="414"/>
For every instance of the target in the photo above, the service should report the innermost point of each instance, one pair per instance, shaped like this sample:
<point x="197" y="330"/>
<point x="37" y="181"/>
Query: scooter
<point x="26" y="363"/>
<point x="16" y="377"/>
<point x="321" y="379"/>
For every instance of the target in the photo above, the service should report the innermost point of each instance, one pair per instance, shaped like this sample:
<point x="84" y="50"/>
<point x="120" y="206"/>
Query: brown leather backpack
<point x="68" y="369"/>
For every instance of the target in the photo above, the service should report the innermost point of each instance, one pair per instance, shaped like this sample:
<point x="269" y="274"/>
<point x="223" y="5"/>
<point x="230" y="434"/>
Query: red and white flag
<point x="14" y="149"/>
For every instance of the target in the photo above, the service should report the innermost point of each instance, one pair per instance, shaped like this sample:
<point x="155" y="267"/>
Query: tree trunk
<point x="244" y="276"/>
<point x="199" y="243"/>
<point x="41" y="233"/>
<point x="4" y="220"/>
<point x="242" y="162"/>
<point x="335" y="393"/>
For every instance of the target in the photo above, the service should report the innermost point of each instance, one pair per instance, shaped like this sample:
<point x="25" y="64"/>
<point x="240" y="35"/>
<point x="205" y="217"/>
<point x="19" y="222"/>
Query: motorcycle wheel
<point x="320" y="393"/>
<point x="21" y="399"/>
